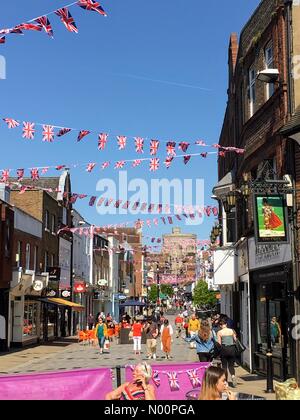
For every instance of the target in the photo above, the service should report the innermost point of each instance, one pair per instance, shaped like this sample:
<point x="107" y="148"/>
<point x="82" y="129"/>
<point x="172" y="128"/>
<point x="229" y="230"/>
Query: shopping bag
<point x="239" y="347"/>
<point x="106" y="345"/>
<point x="287" y="390"/>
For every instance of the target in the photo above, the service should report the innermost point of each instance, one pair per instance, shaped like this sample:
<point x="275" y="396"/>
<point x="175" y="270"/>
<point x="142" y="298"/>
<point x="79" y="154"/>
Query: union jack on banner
<point x="5" y="175"/>
<point x="48" y="133"/>
<point x="102" y="140"/>
<point x="173" y="381"/>
<point x="35" y="174"/>
<point x="60" y="167"/>
<point x="216" y="146"/>
<point x="159" y="208"/>
<point x="126" y="205"/>
<point x="171" y="148"/>
<point x="82" y="134"/>
<point x="105" y="165"/>
<point x="67" y="19"/>
<point x="195" y="381"/>
<point x="151" y="208"/>
<point x="63" y="131"/>
<point x="45" y="170"/>
<point x="136" y="163"/>
<point x="20" y="174"/>
<point x="2" y="39"/>
<point x="186" y="159"/>
<point x="207" y="210"/>
<point x="215" y="211"/>
<point x="90" y="167"/>
<point x="204" y="155"/>
<point x="101" y="201"/>
<point x="163" y="220"/>
<point x="11" y="123"/>
<point x="135" y="205"/>
<point x="183" y="146"/>
<point x="45" y="23"/>
<point x="139" y="144"/>
<point x="170" y="220"/>
<point x="178" y="217"/>
<point x="168" y="161"/>
<point x="92" y="201"/>
<point x="92" y="5"/>
<point x="222" y="154"/>
<point x="81" y="196"/>
<point x="120" y="164"/>
<point x="143" y="207"/>
<point x="148" y="221"/>
<point x="154" y="164"/>
<point x="28" y="130"/>
<point x="122" y="142"/>
<point x="28" y="27"/>
<point x="200" y="143"/>
<point x="154" y="144"/>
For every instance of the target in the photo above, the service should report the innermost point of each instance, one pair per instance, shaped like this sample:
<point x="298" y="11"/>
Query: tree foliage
<point x="166" y="289"/>
<point x="202" y="296"/>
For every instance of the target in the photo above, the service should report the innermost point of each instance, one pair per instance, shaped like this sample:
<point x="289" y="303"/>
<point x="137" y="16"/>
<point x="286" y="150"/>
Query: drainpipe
<point x="289" y="48"/>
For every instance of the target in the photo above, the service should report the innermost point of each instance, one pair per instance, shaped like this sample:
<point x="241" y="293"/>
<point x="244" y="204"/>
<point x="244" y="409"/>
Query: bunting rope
<point x="42" y="21"/>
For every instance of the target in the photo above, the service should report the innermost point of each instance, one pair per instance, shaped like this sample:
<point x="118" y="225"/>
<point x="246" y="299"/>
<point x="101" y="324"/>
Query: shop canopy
<point x="63" y="302"/>
<point x="132" y="303"/>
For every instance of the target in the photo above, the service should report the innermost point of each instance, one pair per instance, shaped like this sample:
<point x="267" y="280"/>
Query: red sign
<point x="80" y="287"/>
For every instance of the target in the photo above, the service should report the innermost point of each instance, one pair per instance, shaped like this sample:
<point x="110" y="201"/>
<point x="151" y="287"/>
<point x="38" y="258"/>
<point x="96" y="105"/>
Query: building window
<point x="47" y="220"/>
<point x="269" y="62"/>
<point x="19" y="254"/>
<point x="252" y="96"/>
<point x="46" y="262"/>
<point x="53" y="224"/>
<point x="27" y="257"/>
<point x="30" y="319"/>
<point x="35" y="258"/>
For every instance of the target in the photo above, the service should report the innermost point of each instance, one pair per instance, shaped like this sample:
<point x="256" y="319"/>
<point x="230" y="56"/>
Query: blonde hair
<point x="211" y="378"/>
<point x="146" y="370"/>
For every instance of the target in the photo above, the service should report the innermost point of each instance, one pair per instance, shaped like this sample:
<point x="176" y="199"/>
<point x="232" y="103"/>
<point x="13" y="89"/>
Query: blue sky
<point x="110" y="78"/>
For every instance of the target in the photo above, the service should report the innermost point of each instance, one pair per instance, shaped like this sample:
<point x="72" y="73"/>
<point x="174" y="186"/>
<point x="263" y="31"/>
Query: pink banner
<point x="86" y="384"/>
<point x="164" y="391"/>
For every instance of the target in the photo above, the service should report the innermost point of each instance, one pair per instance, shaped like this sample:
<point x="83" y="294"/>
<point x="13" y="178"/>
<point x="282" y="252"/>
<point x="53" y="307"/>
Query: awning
<point x="225" y="185"/>
<point x="63" y="302"/>
<point x="132" y="303"/>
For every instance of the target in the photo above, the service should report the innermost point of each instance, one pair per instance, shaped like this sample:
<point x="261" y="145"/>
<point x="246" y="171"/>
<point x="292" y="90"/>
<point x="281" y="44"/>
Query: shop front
<point x="271" y="307"/>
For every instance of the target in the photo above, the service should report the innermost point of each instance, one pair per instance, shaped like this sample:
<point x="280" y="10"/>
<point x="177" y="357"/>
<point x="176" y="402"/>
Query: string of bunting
<point x="173" y="379"/>
<point x="49" y="133"/>
<point x="43" y="23"/>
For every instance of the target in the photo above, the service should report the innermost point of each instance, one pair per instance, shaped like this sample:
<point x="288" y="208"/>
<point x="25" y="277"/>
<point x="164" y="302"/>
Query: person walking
<point x="205" y="342"/>
<point x="151" y="331"/>
<point x="194" y="327"/>
<point x="101" y="333"/>
<point x="137" y="336"/>
<point x="226" y="337"/>
<point x="91" y="321"/>
<point x="179" y="325"/>
<point x="166" y="333"/>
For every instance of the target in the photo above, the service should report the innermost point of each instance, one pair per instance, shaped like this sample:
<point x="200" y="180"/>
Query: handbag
<point x="239" y="347"/>
<point x="106" y="344"/>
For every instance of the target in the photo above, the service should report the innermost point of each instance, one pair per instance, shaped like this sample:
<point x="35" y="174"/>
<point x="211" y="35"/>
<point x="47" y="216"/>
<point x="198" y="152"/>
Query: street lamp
<point x="158" y="286"/>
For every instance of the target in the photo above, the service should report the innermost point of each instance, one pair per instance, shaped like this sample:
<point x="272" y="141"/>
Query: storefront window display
<point x="30" y="318"/>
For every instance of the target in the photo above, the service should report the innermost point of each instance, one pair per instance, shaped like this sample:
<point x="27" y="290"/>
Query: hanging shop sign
<point x="66" y="294"/>
<point x="54" y="273"/>
<point x="265" y="255"/>
<point x="80" y="287"/>
<point x="102" y="282"/>
<point x="270" y="218"/>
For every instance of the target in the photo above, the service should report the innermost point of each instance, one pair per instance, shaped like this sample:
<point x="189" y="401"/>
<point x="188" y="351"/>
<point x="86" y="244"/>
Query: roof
<point x="224" y="185"/>
<point x="44" y="183"/>
<point x="293" y="126"/>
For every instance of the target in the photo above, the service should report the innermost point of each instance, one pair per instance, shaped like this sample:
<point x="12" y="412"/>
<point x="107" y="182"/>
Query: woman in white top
<point x="227" y="338"/>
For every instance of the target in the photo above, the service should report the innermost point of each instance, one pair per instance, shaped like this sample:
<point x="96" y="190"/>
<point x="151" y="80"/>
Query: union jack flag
<point x="148" y="221"/>
<point x="186" y="159"/>
<point x="118" y="203"/>
<point x="92" y="5"/>
<point x="105" y="165"/>
<point x="170" y="220"/>
<point x="159" y="208"/>
<point x="102" y="140"/>
<point x="45" y="170"/>
<point x="67" y="19"/>
<point x="164" y="220"/>
<point x="11" y="123"/>
<point x="35" y="174"/>
<point x="63" y="131"/>
<point x="195" y="381"/>
<point x="60" y="167"/>
<point x="173" y="381"/>
<point x="92" y="201"/>
<point x="4" y="31"/>
<point x="154" y="144"/>
<point x="215" y="211"/>
<point x="171" y="148"/>
<point x="81" y="196"/>
<point x="168" y="161"/>
<point x="126" y="205"/>
<point x="143" y="207"/>
<point x="154" y="164"/>
<point x="207" y="210"/>
<point x="20" y="174"/>
<point x="151" y="208"/>
<point x="135" y="205"/>
<point x="120" y="164"/>
<point x="90" y="167"/>
<point x="139" y="144"/>
<point x="45" y="23"/>
<point x="204" y="155"/>
<point x="200" y="143"/>
<point x="156" y="378"/>
<point x="2" y="40"/>
<point x="28" y="27"/>
<point x="167" y="209"/>
<point x="101" y="201"/>
<point x="73" y="198"/>
<point x="28" y="130"/>
<point x="136" y="163"/>
<point x="139" y="224"/>
<point x="216" y="146"/>
<point x="122" y="142"/>
<point x="178" y="217"/>
<point x="23" y="189"/>
<point x="48" y="133"/>
<point x="222" y="154"/>
<point x="82" y="134"/>
<point x="183" y="146"/>
<point x="5" y="175"/>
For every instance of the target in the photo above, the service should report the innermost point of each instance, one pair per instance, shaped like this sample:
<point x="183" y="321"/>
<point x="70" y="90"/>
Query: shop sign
<point x="102" y="282"/>
<point x="243" y="259"/>
<point x="66" y="294"/>
<point x="38" y="285"/>
<point x="261" y="256"/>
<point x="270" y="219"/>
<point x="52" y="293"/>
<point x="80" y="287"/>
<point x="54" y="273"/>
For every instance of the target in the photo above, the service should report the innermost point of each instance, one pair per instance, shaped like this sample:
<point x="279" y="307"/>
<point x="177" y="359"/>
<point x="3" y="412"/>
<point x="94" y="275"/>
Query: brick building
<point x="257" y="281"/>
